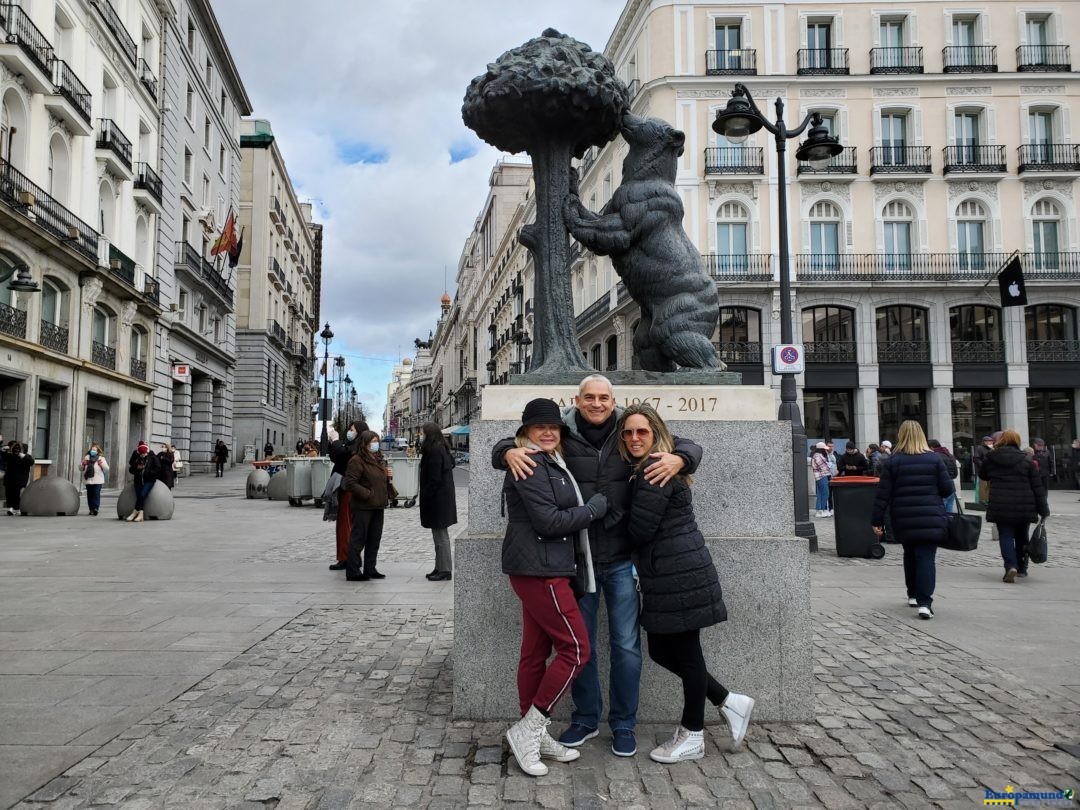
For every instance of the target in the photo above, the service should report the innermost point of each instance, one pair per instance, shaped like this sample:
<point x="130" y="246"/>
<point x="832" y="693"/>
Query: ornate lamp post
<point x="740" y="119"/>
<point x="327" y="336"/>
<point x="22" y="281"/>
<point x="339" y="372"/>
<point x="344" y="396"/>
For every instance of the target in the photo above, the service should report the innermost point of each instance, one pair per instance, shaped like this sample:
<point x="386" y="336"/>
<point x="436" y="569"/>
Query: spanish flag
<point x="226" y="243"/>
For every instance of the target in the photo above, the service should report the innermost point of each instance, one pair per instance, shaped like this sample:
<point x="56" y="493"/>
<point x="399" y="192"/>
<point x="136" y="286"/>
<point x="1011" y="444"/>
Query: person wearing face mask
<point x="16" y="476"/>
<point x="145" y="467"/>
<point x="367" y="483"/>
<point x="94" y="466"/>
<point x="340" y="453"/>
<point x="438" y="497"/>
<point x="165" y="459"/>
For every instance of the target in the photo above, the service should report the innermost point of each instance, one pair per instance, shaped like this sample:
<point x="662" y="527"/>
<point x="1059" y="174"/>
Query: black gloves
<point x="597" y="505"/>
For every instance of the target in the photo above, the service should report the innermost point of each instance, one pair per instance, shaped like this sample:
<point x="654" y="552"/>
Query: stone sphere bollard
<point x="257" y="482"/>
<point x="278" y="488"/>
<point x="159" y="503"/>
<point x="50" y="496"/>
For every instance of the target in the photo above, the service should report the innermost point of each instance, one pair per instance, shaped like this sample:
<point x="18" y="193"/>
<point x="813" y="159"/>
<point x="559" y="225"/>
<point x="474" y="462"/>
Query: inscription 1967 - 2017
<point x="663" y="404"/>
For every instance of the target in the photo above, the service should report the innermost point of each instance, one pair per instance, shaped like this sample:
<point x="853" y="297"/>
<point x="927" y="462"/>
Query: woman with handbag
<point x="679" y="586"/>
<point x="913" y="487"/>
<point x="438" y="497"/>
<point x="546" y="515"/>
<point x="94" y="466"/>
<point x="1017" y="499"/>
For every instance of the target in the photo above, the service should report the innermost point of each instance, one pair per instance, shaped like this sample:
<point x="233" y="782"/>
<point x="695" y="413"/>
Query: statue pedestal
<point x="743" y="503"/>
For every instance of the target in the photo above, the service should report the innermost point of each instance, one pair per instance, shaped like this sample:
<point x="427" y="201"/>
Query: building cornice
<point x="215" y="40"/>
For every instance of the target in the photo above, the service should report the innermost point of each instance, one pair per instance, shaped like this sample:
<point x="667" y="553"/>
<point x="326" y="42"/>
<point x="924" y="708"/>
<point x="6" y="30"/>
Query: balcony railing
<point x="22" y="32"/>
<point x="896" y="60"/>
<point x="736" y="62"/>
<point x="189" y="257"/>
<point x="844" y="163"/>
<point x="53" y="337"/>
<point x="739" y="352"/>
<point x="734" y="160"/>
<point x="593" y="312"/>
<point x="823" y="61"/>
<point x="978" y="267"/>
<point x="12" y="321"/>
<point x="113" y="23"/>
<point x="969" y="59"/>
<point x="1053" y="351"/>
<point x="147" y="77"/>
<point x="110" y="137"/>
<point x="1048" y="58"/>
<point x="903" y="351"/>
<point x="1049" y="157"/>
<point x="632" y="88"/>
<point x="138" y="369"/>
<point x="102" y="355"/>
<point x="275" y="331"/>
<point x="974" y="159"/>
<point x="275" y="270"/>
<point x="121" y="265"/>
<point x="68" y="85"/>
<point x="734" y="267"/>
<point x="146" y="178"/>
<point x="978" y="351"/>
<point x="151" y="289"/>
<point x="28" y="199"/>
<point x="900" y="160"/>
<point x="830" y="351"/>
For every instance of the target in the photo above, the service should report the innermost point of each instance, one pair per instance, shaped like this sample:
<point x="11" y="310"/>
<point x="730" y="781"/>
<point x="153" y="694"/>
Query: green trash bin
<point x="853" y="505"/>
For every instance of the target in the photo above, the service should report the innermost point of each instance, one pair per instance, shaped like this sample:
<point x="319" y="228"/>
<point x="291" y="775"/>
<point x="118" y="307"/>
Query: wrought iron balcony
<point x="277" y="275"/>
<point x="823" y="62"/>
<point x="1043" y="58"/>
<point x="113" y="23"/>
<point x="102" y="355"/>
<point x="188" y="257"/>
<point x="968" y="159"/>
<point x="28" y="199"/>
<point x="900" y="160"/>
<point x="151" y="289"/>
<point x="147" y="77"/>
<point x="632" y="88"/>
<point x="121" y="265"/>
<point x="277" y="216"/>
<point x="735" y="267"/>
<point x="138" y="369"/>
<point x="830" y="351"/>
<point x="12" y="321"/>
<point x="275" y="331"/>
<point x="969" y="59"/>
<point x="1053" y="351"/>
<point x="1049" y="157"/>
<point x="844" y="163"/>
<point x="110" y="137"/>
<point x="896" y="60"/>
<point x="903" y="351"/>
<point x="53" y="337"/>
<point x="148" y="180"/>
<point x="736" y="62"/>
<point x="594" y="313"/>
<point x="22" y="33"/>
<point x="734" y="160"/>
<point x="734" y="351"/>
<point x="67" y="84"/>
<point x="978" y="267"/>
<point x="978" y="351"/>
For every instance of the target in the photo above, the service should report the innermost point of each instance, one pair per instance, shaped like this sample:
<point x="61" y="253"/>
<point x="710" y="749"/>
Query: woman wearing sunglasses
<point x="680" y="588"/>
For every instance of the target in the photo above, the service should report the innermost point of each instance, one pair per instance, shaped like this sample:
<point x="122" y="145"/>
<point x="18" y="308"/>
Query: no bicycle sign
<point x="787" y="358"/>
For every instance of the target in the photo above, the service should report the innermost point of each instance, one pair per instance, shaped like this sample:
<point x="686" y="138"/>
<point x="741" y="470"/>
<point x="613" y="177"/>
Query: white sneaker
<point x="553" y="749"/>
<point x="138" y="516"/>
<point x="911" y="602"/>
<point x="131" y="517"/>
<point x="11" y="511"/>
<point x="818" y="513"/>
<point x="829" y="513"/>
<point x="524" y="738"/>
<point x="684" y="745"/>
<point x="736" y="710"/>
<point x="925" y="613"/>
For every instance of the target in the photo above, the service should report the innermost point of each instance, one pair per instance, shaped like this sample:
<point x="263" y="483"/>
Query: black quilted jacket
<point x="912" y="490"/>
<point x="544" y="517"/>
<point x="1017" y="492"/>
<point x="679" y="585"/>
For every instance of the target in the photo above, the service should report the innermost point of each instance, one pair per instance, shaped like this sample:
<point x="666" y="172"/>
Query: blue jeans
<point x="616" y="581"/>
<point x="93" y="497"/>
<point x="140" y="494"/>
<point x="1013" y="540"/>
<point x="920" y="575"/>
<point x="821" y="491"/>
<point x="950" y="503"/>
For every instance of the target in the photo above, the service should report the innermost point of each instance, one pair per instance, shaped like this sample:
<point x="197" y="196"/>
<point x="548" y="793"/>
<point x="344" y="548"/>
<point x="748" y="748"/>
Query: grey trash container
<point x="406" y="480"/>
<point x="298" y="474"/>
<point x="321" y="470"/>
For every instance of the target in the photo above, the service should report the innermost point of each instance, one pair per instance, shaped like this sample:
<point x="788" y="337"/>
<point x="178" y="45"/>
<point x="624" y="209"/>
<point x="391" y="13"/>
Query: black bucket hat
<point x="542" y="412"/>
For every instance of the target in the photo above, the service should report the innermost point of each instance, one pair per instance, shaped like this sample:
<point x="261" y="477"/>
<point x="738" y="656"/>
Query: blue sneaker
<point x="576" y="734"/>
<point x="623" y="742"/>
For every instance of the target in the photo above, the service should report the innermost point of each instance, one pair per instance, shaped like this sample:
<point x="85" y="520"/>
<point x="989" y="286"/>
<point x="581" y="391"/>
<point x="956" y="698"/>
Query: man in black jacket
<point x="592" y="456"/>
<point x="852" y="462"/>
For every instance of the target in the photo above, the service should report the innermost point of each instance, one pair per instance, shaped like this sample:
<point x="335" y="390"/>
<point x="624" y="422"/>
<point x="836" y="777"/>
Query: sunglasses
<point x="631" y="433"/>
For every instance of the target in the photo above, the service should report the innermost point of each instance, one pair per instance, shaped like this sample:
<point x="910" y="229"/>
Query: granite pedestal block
<point x="159" y="503"/>
<point x="50" y="496"/>
<point x="743" y="503"/>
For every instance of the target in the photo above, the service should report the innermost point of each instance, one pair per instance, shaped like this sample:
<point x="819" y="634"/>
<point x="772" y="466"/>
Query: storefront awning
<point x="450" y="431"/>
<point x="459" y="430"/>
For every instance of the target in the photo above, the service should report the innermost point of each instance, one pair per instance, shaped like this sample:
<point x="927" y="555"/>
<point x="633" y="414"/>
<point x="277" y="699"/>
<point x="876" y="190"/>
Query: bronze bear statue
<point x="640" y="228"/>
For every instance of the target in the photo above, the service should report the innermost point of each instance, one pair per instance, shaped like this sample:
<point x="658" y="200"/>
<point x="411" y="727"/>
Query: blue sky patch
<point x="462" y="150"/>
<point x="353" y="152"/>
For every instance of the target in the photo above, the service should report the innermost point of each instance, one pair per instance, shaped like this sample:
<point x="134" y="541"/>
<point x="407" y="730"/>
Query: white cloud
<point x="341" y="80"/>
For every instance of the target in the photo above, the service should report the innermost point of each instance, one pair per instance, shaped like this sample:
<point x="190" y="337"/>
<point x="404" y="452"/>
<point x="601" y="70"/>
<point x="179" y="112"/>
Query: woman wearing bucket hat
<point x="547" y="521"/>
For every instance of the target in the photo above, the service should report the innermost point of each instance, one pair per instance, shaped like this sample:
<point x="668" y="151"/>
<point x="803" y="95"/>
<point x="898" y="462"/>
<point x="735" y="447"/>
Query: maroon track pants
<point x="549" y="618"/>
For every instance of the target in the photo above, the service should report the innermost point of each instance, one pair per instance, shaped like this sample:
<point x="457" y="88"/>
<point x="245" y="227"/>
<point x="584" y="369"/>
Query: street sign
<point x="787" y="358"/>
<point x="181" y="372"/>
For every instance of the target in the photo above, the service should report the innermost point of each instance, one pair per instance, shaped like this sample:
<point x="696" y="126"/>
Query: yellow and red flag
<point x="226" y="243"/>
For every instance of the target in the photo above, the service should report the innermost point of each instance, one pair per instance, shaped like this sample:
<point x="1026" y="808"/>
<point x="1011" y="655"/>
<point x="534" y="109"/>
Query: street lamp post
<point x="327" y="336"/>
<point x="345" y="399"/>
<point x="740" y="119"/>
<point x="339" y="372"/>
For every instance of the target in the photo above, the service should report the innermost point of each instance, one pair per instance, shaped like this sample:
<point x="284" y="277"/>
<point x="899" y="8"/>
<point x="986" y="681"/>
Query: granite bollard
<point x="159" y="503"/>
<point x="50" y="496"/>
<point x="278" y="488"/>
<point x="257" y="482"/>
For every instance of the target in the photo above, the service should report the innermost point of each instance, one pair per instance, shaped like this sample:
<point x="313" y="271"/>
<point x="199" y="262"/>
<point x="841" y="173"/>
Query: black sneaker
<point x="375" y="575"/>
<point x="338" y="566"/>
<point x="357" y="578"/>
<point x="440" y="576"/>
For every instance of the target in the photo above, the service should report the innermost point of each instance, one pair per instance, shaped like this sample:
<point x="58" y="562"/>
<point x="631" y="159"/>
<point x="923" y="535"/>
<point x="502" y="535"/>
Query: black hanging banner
<point x="1011" y="283"/>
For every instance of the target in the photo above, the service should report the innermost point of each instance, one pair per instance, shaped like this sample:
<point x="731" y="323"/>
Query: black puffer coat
<point x="438" y="498"/>
<point x="912" y="488"/>
<point x="544" y="517"/>
<point x="1017" y="493"/>
<point x="679" y="585"/>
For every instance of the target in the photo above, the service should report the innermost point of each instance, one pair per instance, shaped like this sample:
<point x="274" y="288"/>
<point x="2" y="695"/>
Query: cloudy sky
<point x="365" y="102"/>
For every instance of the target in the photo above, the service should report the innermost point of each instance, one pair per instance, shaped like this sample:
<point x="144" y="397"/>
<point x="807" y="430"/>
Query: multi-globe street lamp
<point x="740" y="119"/>
<point x="324" y="440"/>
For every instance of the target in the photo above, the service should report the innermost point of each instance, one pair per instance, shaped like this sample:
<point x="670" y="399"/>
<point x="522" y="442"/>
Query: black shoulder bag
<point x="963" y="530"/>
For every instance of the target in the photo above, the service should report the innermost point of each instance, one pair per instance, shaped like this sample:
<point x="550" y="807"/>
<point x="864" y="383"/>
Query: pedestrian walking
<point x="178" y="463"/>
<point x="1045" y="459"/>
<point x="680" y="589"/>
<point x="340" y="453"/>
<point x="851" y="461"/>
<point x="590" y="449"/>
<point x="221" y="458"/>
<point x="834" y="469"/>
<point x="1076" y="462"/>
<point x="873" y="459"/>
<point x="951" y="467"/>
<point x="978" y="456"/>
<point x="1017" y="499"/>
<point x="367" y="484"/>
<point x="16" y="475"/>
<point x="547" y="516"/>
<point x="268" y="450"/>
<point x="166" y="459"/>
<point x="819" y="463"/>
<point x="94" y="467"/>
<point x="913" y="487"/>
<point x="144" y="466"/>
<point x="438" y="497"/>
